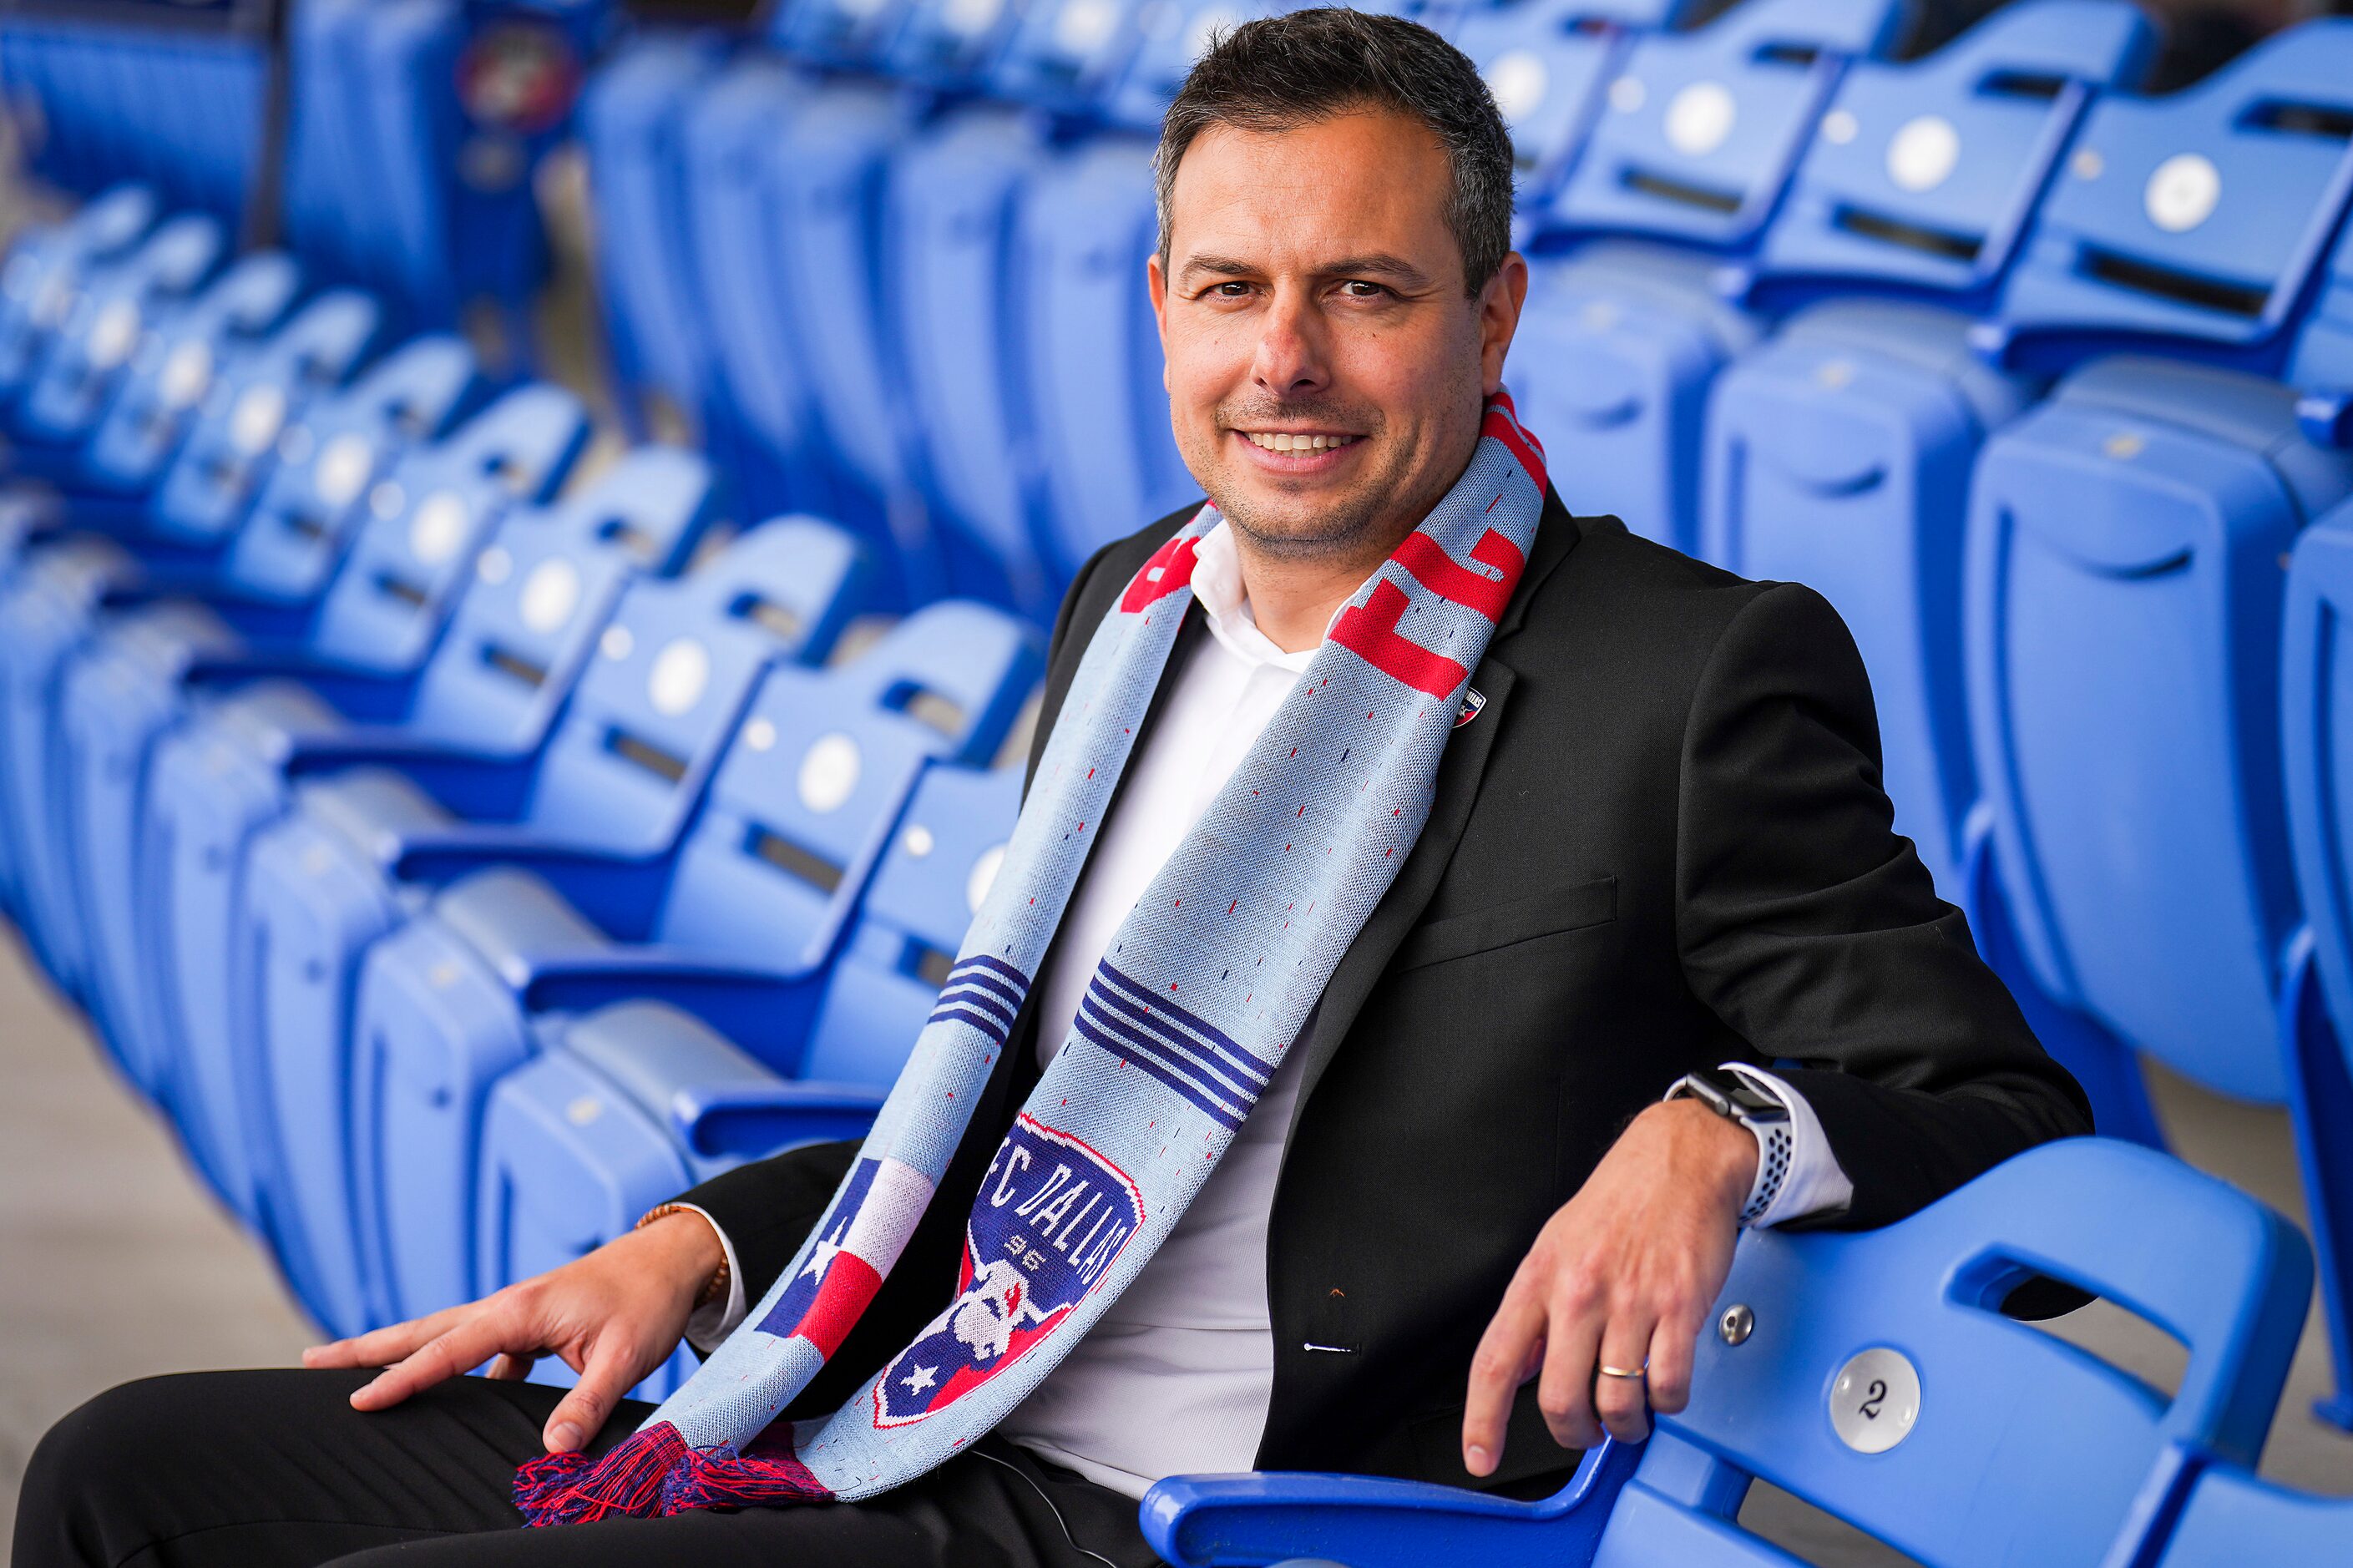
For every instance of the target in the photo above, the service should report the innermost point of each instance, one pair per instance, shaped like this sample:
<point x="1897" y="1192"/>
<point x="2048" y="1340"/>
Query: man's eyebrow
<point x="1379" y="264"/>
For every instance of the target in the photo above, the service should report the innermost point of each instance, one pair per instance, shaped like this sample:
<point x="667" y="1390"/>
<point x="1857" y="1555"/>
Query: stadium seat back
<point x="948" y="46"/>
<point x="1877" y="1379"/>
<point x="2229" y="1516"/>
<point x="179" y="364"/>
<point x="46" y="266"/>
<point x="1704" y="128"/>
<point x="2123" y="603"/>
<point x="1093" y="349"/>
<point x="2199" y="218"/>
<point x="85" y="362"/>
<point x="840" y="35"/>
<point x="1065" y="55"/>
<point x="407" y="564"/>
<point x="939" y="864"/>
<point x="654" y="711"/>
<point x="546" y="585"/>
<point x="821" y="767"/>
<point x="1547" y="62"/>
<point x="631" y="120"/>
<point x="210" y="486"/>
<point x="404" y="56"/>
<point x="1924" y="174"/>
<point x="329" y="460"/>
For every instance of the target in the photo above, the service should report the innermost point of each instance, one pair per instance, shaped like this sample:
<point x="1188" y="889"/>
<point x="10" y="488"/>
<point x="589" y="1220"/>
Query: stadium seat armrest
<point x="745" y="1003"/>
<point x="481" y="786"/>
<point x="1267" y="1517"/>
<point x="358" y="693"/>
<point x="751" y="1120"/>
<point x="620" y="892"/>
<point x="2326" y="418"/>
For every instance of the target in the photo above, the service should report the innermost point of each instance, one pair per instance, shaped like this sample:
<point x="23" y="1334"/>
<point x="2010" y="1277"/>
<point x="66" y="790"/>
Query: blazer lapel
<point x="1457" y="790"/>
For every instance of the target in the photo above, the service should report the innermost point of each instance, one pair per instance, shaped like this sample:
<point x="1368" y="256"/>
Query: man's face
<point x="1326" y="369"/>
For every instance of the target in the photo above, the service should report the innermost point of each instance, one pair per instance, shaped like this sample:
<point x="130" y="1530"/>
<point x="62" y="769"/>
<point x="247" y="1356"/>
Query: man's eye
<point x="1359" y="289"/>
<point x="1232" y="291"/>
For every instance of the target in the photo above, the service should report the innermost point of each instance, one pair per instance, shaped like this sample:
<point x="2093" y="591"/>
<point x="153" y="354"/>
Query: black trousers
<point x="268" y="1468"/>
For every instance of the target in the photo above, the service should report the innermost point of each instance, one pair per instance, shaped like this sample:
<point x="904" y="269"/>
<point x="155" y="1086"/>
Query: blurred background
<point x="2025" y="333"/>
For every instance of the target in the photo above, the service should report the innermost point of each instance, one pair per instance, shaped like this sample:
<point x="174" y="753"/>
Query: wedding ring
<point x="1619" y="1372"/>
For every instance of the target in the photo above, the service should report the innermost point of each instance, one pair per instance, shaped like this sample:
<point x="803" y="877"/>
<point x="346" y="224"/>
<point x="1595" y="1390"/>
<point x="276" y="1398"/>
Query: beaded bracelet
<point x="714" y="1288"/>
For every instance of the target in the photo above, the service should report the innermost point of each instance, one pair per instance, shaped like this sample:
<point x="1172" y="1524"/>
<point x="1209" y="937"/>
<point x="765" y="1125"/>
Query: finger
<point x="1672" y="1345"/>
<point x="1508" y="1352"/>
<point x="1620" y="1402"/>
<point x="457" y="1352"/>
<point x="580" y="1415"/>
<point x="1564" y="1390"/>
<point x="514" y="1368"/>
<point x="384" y="1346"/>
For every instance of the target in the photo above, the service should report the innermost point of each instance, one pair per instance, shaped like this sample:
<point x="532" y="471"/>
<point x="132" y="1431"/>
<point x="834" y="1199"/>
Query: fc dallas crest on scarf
<point x="1052" y="1217"/>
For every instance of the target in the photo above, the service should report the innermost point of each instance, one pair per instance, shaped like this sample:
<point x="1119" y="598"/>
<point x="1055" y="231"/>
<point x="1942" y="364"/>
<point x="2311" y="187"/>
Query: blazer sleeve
<point x="1812" y="929"/>
<point x="767" y="1208"/>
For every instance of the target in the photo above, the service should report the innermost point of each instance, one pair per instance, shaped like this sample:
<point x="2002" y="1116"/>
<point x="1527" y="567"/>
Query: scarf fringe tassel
<point x="652" y="1474"/>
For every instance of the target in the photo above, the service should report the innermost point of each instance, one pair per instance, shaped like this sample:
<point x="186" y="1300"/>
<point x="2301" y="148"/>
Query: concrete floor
<point x="114" y="1264"/>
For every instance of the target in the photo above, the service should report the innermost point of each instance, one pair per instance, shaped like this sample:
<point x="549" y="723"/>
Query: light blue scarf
<point x="1204" y="986"/>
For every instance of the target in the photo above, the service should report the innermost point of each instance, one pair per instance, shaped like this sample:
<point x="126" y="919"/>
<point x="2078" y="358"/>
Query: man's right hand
<point x="614" y="1316"/>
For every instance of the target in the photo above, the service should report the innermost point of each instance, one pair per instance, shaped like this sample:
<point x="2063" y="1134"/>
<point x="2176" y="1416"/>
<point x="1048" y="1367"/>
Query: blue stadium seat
<point x="361" y="647"/>
<point x="47" y="268"/>
<point x="2125" y="543"/>
<point x="2219" y="1515"/>
<point x="545" y="589"/>
<point x="85" y="362"/>
<point x="1619" y="341"/>
<point x="757" y="895"/>
<point x="634" y="1102"/>
<point x="1838" y="453"/>
<point x="330" y="456"/>
<point x="1547" y="63"/>
<point x="631" y="126"/>
<point x="178" y="367"/>
<point x="617" y="778"/>
<point x="1873" y="1377"/>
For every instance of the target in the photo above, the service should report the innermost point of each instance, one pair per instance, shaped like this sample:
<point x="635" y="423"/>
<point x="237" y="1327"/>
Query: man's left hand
<point x="1622" y="1275"/>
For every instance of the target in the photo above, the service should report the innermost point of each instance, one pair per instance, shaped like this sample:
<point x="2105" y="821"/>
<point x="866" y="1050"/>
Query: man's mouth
<point x="1295" y="440"/>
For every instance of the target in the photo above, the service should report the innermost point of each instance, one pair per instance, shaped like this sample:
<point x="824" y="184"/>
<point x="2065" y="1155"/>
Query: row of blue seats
<point x="1878" y="1378"/>
<point x="462" y="845"/>
<point x="410" y="136"/>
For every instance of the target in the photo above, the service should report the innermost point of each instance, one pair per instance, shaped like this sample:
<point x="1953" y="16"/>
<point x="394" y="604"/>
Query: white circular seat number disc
<point x="2182" y="192"/>
<point x="343" y="466"/>
<point x="438" y="529"/>
<point x="828" y="773"/>
<point x="1922" y="155"/>
<point x="680" y="673"/>
<point x="1700" y="118"/>
<point x="1518" y="80"/>
<point x="549" y="595"/>
<point x="1874" y="1400"/>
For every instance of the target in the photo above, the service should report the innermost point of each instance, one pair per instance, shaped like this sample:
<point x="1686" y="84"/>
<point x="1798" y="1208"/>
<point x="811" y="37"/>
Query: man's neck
<point x="1294" y="599"/>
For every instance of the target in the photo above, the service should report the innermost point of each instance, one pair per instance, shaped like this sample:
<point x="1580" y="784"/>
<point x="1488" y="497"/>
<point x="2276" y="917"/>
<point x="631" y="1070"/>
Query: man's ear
<point x="1499" y="316"/>
<point x="1156" y="283"/>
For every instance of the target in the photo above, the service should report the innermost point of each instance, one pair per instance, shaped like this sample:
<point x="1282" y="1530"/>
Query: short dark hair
<point x="1284" y="72"/>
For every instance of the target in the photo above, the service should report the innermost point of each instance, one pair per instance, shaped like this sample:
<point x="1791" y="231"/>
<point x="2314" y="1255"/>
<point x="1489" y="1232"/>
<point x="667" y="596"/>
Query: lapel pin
<point x="1474" y="700"/>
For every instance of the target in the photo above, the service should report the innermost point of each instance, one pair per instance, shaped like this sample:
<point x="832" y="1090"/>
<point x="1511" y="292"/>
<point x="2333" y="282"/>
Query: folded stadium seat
<point x="630" y="1104"/>
<point x="1837" y="452"/>
<point x="2210" y="1514"/>
<point x="630" y="118"/>
<point x="284" y="556"/>
<point x="1873" y="1375"/>
<point x="952" y="287"/>
<point x="546" y="588"/>
<point x="84" y="363"/>
<point x="758" y="893"/>
<point x="326" y="158"/>
<point x="361" y="650"/>
<point x="2123" y="597"/>
<point x="181" y="364"/>
<point x="1546" y="63"/>
<point x="763" y="380"/>
<point x="44" y="618"/>
<point x="49" y="266"/>
<point x="1620" y="338"/>
<point x="400" y="64"/>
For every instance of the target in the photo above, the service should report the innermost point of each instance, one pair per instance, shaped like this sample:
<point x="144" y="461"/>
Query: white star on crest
<point x="920" y="1380"/>
<point x="821" y="1256"/>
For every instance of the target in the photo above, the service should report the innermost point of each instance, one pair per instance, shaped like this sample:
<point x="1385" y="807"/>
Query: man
<point x="1461" y="1234"/>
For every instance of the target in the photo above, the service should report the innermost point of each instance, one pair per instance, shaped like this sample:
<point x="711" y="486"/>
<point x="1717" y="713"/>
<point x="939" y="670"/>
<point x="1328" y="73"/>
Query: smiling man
<point x="1407" y="1131"/>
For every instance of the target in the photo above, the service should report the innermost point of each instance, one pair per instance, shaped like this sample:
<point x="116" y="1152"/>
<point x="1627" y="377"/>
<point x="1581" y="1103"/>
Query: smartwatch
<point x="1733" y="1097"/>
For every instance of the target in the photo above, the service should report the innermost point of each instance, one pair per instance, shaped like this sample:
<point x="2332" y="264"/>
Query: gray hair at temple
<point x="1286" y="71"/>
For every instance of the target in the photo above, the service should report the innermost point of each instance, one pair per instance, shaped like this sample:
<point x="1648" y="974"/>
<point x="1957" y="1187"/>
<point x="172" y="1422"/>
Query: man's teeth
<point x="1282" y="441"/>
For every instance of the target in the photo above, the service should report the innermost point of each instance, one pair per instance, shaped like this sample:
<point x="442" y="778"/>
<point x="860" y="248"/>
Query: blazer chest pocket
<point x="1553" y="911"/>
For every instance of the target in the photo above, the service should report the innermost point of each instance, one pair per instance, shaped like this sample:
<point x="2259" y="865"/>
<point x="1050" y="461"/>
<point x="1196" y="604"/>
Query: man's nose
<point x="1290" y="357"/>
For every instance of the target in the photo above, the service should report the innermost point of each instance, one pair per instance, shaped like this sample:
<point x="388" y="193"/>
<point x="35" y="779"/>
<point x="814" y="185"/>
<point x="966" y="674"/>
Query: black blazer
<point x="1662" y="845"/>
